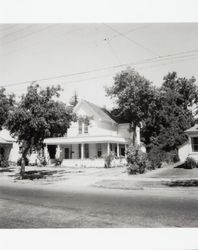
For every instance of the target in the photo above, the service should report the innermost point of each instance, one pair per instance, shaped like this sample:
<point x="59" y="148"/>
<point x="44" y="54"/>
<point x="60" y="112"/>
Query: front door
<point x="67" y="153"/>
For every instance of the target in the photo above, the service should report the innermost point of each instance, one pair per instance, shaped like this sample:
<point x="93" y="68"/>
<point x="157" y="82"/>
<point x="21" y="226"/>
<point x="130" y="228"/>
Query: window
<point x="79" y="151"/>
<point x="86" y="124"/>
<point x="86" y="149"/>
<point x="195" y="144"/>
<point x="99" y="150"/>
<point x="80" y="127"/>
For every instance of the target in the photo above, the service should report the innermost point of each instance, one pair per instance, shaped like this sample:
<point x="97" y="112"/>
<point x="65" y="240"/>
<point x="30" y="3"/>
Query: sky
<point x="85" y="57"/>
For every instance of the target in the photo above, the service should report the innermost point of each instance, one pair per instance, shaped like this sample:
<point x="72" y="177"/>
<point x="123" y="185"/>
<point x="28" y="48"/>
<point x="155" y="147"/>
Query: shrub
<point x="156" y="157"/>
<point x="4" y="163"/>
<point x="108" y="159"/>
<point x="42" y="160"/>
<point x="190" y="163"/>
<point x="137" y="160"/>
<point x="57" y="162"/>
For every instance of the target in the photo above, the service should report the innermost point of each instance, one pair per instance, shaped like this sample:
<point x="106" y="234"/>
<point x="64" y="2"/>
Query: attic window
<point x="80" y="127"/>
<point x="195" y="144"/>
<point x="86" y="124"/>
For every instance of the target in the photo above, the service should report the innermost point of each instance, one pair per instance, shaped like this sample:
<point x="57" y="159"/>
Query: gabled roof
<point x="103" y="114"/>
<point x="192" y="129"/>
<point x="3" y="141"/>
<point x="5" y="137"/>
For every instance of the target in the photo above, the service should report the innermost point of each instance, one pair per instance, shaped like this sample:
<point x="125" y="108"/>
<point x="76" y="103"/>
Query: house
<point x="190" y="148"/>
<point x="9" y="149"/>
<point x="94" y="135"/>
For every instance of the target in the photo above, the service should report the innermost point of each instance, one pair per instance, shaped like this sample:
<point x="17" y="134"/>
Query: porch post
<point x="82" y="151"/>
<point x="118" y="150"/>
<point x="58" y="151"/>
<point x="125" y="149"/>
<point x="46" y="153"/>
<point x="108" y="148"/>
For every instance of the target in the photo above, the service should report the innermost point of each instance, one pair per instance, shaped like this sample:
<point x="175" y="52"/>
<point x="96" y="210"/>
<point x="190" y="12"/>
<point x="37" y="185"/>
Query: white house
<point x="190" y="148"/>
<point x="9" y="149"/>
<point x="92" y="136"/>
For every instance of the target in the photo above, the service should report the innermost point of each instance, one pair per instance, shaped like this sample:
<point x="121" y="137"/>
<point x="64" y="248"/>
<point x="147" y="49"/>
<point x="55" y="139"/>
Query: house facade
<point x="94" y="135"/>
<point x="9" y="149"/>
<point x="190" y="148"/>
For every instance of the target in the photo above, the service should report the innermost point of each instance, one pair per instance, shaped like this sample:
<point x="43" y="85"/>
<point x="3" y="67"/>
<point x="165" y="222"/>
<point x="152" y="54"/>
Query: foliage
<point x="4" y="163"/>
<point x="6" y="104"/>
<point x="137" y="160"/>
<point x="190" y="163"/>
<point x="165" y="127"/>
<point x="108" y="159"/>
<point x="57" y="162"/>
<point x="42" y="160"/>
<point x="133" y="95"/>
<point x="38" y="115"/>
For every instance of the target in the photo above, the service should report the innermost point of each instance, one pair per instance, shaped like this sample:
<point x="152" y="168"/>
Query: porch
<point x="87" y="153"/>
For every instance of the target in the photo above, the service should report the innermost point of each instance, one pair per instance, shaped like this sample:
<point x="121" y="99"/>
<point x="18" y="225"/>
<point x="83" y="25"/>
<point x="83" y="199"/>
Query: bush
<point x="4" y="163"/>
<point x="190" y="163"/>
<point x="137" y="160"/>
<point x="156" y="157"/>
<point x="57" y="162"/>
<point x="108" y="159"/>
<point x="42" y="160"/>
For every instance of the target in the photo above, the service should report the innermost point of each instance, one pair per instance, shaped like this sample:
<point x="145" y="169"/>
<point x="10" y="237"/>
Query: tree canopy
<point x="164" y="112"/>
<point x="39" y="115"/>
<point x="132" y="94"/>
<point x="6" y="104"/>
<point x="172" y="115"/>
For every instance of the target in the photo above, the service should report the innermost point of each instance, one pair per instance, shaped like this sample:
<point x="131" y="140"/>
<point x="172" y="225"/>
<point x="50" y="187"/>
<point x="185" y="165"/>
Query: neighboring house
<point x="9" y="149"/>
<point x="190" y="148"/>
<point x="94" y="135"/>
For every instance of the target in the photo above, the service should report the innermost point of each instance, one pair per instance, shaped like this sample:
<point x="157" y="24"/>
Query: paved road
<point x="29" y="207"/>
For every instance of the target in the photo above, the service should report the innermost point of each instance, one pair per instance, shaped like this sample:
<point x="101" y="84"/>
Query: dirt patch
<point x="182" y="183"/>
<point x="6" y="170"/>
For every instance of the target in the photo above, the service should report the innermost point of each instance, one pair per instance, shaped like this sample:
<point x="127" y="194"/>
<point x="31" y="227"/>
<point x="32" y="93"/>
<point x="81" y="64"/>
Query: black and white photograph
<point x="98" y="125"/>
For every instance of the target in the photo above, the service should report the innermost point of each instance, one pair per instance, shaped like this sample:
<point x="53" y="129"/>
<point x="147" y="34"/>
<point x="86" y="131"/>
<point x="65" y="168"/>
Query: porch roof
<point x="85" y="139"/>
<point x="3" y="141"/>
<point x="192" y="130"/>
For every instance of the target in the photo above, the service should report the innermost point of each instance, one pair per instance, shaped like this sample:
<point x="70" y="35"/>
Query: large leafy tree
<point x="6" y="104"/>
<point x="38" y="115"/>
<point x="165" y="126"/>
<point x="134" y="96"/>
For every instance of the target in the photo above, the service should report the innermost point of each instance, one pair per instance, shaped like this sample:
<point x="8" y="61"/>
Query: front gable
<point x="99" y="122"/>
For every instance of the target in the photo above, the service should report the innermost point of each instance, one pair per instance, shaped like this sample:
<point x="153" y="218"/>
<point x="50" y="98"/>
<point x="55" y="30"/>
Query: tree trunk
<point x="24" y="157"/>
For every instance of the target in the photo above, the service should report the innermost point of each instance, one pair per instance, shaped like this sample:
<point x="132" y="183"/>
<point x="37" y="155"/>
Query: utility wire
<point x="131" y="40"/>
<point x="175" y="56"/>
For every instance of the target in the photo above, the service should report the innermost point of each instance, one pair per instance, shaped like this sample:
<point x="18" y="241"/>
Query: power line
<point x="25" y="47"/>
<point x="30" y="34"/>
<point x="175" y="56"/>
<point x="131" y="40"/>
<point x="130" y="31"/>
<point x="112" y="50"/>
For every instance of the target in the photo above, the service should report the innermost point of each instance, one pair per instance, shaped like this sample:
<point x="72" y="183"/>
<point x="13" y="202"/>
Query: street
<point x="23" y="206"/>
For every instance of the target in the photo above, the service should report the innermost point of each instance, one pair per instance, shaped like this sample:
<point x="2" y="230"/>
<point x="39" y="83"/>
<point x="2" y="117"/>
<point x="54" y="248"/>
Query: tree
<point x="133" y="94"/>
<point x="6" y="104"/>
<point x="38" y="115"/>
<point x="165" y="127"/>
